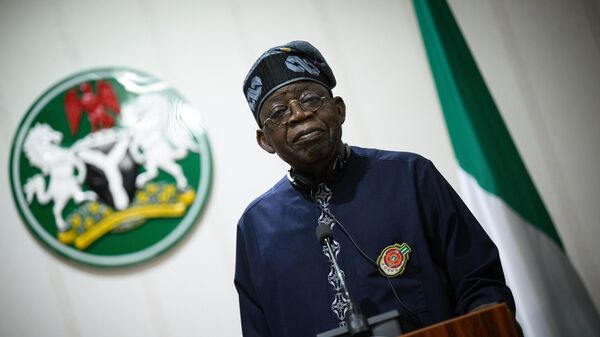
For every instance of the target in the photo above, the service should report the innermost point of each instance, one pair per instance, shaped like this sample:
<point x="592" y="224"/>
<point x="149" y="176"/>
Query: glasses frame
<point x="290" y="113"/>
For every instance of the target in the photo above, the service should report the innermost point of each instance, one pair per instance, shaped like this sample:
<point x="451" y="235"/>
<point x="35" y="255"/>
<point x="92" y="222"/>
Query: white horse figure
<point x="161" y="134"/>
<point x="43" y="151"/>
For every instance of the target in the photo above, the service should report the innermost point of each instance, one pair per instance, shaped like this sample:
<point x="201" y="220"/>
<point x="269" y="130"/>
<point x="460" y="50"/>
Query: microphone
<point x="355" y="321"/>
<point x="324" y="232"/>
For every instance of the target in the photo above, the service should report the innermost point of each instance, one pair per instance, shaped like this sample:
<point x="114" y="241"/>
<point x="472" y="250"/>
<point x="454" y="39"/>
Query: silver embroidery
<point x="254" y="91"/>
<point x="340" y="303"/>
<point x="301" y="65"/>
<point x="340" y="307"/>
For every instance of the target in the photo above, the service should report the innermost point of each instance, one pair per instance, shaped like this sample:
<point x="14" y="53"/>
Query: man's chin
<point x="314" y="151"/>
<point x="311" y="158"/>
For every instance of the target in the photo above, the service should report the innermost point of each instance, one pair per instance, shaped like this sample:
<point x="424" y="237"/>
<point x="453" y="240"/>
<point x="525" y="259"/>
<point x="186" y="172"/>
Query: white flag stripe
<point x="550" y="298"/>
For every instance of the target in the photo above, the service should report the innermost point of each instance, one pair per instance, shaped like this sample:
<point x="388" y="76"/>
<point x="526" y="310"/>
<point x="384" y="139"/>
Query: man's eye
<point x="277" y="112"/>
<point x="311" y="100"/>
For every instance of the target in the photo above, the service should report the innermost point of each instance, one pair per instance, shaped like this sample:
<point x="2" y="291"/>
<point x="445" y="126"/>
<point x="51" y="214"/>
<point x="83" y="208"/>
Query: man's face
<point x="309" y="140"/>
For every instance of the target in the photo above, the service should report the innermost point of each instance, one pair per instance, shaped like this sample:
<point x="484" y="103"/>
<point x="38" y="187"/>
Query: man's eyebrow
<point x="302" y="88"/>
<point x="277" y="95"/>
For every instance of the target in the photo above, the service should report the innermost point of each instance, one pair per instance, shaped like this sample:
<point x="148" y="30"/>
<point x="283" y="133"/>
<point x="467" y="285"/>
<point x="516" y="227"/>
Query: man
<point x="402" y="236"/>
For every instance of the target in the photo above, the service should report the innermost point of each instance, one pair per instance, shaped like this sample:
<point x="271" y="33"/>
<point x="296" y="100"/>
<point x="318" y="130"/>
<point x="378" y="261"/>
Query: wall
<point x="203" y="49"/>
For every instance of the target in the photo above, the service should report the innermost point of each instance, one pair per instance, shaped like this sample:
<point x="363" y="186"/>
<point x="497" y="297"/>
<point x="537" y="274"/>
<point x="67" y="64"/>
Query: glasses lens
<point x="310" y="101"/>
<point x="279" y="114"/>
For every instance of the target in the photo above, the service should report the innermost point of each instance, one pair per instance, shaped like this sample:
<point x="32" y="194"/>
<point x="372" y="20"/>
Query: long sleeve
<point x="471" y="259"/>
<point x="254" y="323"/>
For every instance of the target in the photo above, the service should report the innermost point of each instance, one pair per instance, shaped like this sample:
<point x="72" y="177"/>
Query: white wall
<point x="540" y="61"/>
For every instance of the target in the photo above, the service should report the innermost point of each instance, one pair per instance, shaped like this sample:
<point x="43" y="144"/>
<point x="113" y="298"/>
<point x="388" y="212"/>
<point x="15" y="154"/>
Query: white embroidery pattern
<point x="340" y="303"/>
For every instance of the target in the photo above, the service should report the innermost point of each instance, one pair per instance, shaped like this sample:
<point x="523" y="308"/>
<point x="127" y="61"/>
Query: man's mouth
<point x="308" y="135"/>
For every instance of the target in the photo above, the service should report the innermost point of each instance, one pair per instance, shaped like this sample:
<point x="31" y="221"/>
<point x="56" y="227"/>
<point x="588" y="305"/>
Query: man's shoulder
<point x="267" y="198"/>
<point x="375" y="155"/>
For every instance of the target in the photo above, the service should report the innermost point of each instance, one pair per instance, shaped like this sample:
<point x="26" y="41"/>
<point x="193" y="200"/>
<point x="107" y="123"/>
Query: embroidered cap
<point x="283" y="65"/>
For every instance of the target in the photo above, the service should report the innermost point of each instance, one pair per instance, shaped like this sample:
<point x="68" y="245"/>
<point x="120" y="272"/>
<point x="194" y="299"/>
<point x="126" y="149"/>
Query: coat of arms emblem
<point x="110" y="167"/>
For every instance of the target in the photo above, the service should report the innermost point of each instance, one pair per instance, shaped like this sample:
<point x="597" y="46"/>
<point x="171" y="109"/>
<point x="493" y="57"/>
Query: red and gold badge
<point x="393" y="259"/>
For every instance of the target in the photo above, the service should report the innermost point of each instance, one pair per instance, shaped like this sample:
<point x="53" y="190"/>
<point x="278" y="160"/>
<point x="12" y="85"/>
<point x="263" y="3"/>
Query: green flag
<point x="498" y="188"/>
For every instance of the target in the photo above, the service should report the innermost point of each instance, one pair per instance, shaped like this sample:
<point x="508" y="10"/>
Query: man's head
<point x="292" y="62"/>
<point x="289" y="92"/>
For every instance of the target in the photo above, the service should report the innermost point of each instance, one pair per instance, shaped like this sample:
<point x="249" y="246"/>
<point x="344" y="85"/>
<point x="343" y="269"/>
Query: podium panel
<point x="495" y="321"/>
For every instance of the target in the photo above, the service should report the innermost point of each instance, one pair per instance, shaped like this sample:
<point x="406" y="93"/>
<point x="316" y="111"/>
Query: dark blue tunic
<point x="381" y="198"/>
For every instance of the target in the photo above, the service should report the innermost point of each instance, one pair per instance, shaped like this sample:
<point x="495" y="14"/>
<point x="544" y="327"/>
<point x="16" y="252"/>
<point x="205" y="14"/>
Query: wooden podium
<point x="494" y="321"/>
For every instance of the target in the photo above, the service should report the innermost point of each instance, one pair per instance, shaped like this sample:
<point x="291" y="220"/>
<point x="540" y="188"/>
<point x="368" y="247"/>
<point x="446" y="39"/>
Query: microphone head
<point x="323" y="232"/>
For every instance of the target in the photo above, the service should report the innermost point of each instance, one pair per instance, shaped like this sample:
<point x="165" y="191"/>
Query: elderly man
<point x="402" y="236"/>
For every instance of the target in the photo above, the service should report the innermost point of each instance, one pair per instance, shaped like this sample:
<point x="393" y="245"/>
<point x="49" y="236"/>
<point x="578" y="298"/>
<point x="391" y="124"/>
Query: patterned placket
<point x="340" y="303"/>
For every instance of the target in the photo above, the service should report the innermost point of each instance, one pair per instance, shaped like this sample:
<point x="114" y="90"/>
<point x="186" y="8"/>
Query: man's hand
<point x="487" y="305"/>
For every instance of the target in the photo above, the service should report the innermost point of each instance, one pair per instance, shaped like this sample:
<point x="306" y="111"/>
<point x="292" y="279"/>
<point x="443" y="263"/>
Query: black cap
<point x="283" y="65"/>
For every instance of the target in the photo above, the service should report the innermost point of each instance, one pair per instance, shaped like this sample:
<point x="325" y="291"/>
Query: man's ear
<point x="263" y="141"/>
<point x="340" y="107"/>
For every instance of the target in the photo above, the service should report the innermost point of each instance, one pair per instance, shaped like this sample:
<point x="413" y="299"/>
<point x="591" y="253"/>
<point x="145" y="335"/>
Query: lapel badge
<point x="393" y="259"/>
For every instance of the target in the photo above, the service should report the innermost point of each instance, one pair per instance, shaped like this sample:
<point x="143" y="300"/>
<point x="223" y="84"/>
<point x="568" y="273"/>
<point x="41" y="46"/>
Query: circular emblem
<point x="393" y="259"/>
<point x="110" y="167"/>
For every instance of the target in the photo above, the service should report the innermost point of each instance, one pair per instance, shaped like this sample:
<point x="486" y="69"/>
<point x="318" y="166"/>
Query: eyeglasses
<point x="280" y="114"/>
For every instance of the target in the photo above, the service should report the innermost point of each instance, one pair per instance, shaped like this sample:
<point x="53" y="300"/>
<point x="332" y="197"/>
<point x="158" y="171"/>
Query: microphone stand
<point x="356" y="322"/>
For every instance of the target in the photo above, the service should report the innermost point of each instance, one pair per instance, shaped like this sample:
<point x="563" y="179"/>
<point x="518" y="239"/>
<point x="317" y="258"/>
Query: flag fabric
<point x="550" y="298"/>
